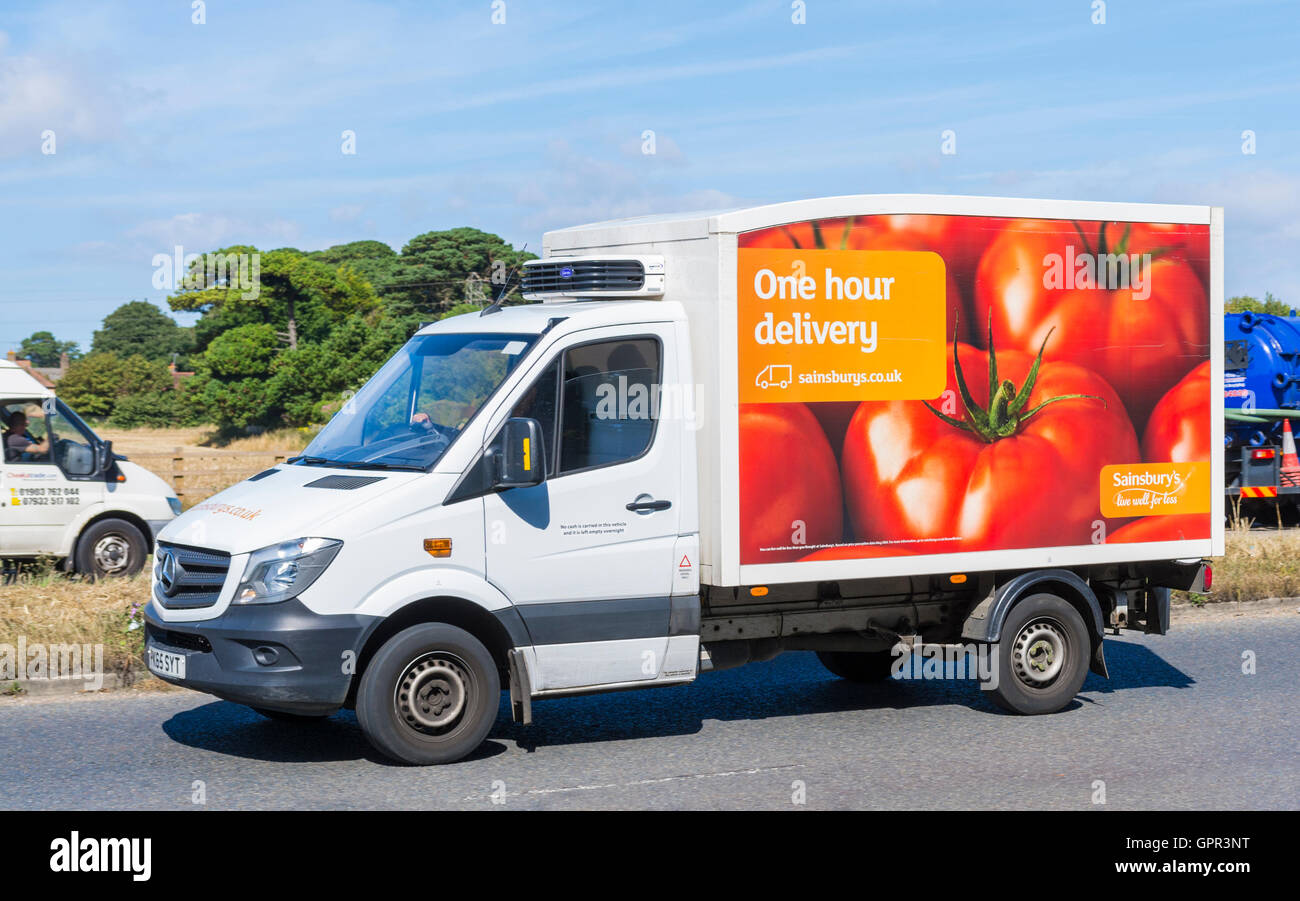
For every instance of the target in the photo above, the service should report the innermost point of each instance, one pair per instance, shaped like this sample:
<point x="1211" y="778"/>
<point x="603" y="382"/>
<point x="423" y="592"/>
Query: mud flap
<point x="1098" y="665"/>
<point x="521" y="689"/>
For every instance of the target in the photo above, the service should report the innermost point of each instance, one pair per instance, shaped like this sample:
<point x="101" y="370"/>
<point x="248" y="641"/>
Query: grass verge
<point x="44" y="606"/>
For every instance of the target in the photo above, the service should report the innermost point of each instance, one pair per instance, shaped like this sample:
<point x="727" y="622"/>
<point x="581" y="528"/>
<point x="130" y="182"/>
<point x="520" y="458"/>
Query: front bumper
<point x="278" y="656"/>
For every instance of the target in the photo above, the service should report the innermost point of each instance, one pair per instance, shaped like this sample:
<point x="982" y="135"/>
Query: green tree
<point x="373" y="260"/>
<point x="45" y="351"/>
<point x="139" y="327"/>
<point x="95" y="384"/>
<point x="1269" y="304"/>
<point x="302" y="298"/>
<point x="439" y="269"/>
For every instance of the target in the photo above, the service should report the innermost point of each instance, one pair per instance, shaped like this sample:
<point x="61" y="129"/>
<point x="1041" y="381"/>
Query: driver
<point x="426" y="422"/>
<point x="18" y="440"/>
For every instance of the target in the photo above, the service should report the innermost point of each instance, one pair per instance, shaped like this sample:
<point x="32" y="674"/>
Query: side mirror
<point x="522" y="458"/>
<point x="103" y="457"/>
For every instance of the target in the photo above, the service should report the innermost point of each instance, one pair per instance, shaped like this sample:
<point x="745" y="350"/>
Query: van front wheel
<point x="110" y="547"/>
<point x="430" y="695"/>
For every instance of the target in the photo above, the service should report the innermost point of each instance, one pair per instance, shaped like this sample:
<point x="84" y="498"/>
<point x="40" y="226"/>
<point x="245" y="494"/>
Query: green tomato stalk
<point x="1005" y="413"/>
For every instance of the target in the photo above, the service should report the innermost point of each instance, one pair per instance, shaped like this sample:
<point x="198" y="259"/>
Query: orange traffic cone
<point x="1290" y="462"/>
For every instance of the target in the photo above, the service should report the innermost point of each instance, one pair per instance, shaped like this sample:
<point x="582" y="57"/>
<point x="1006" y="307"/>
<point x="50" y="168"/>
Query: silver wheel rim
<point x="111" y="553"/>
<point x="1039" y="652"/>
<point x="433" y="693"/>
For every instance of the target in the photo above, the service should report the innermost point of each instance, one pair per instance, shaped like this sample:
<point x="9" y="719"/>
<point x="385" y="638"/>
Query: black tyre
<point x="110" y="547"/>
<point x="284" y="717"/>
<point x="430" y="695"/>
<point x="1042" y="656"/>
<point x="858" y="666"/>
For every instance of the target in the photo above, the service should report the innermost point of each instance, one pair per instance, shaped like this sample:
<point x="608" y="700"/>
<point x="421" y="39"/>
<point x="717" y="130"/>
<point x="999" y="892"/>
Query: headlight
<point x="175" y="504"/>
<point x="283" y="571"/>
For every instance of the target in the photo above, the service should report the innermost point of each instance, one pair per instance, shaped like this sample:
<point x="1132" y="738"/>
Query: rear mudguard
<point x="985" y="621"/>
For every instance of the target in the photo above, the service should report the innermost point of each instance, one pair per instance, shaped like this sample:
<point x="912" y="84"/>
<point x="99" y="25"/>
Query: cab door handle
<point x="649" y="506"/>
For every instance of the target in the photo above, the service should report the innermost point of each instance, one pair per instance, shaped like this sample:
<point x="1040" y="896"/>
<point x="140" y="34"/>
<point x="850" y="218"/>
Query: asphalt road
<point x="1178" y="726"/>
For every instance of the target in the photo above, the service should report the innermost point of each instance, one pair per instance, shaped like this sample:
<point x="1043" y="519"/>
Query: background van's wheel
<point x="430" y="695"/>
<point x="285" y="717"/>
<point x="111" y="547"/>
<point x="858" y="666"/>
<point x="1042" y="656"/>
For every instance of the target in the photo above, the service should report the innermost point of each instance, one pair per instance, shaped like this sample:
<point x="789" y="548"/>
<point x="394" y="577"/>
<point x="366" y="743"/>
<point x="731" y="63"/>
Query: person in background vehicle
<point x="18" y="441"/>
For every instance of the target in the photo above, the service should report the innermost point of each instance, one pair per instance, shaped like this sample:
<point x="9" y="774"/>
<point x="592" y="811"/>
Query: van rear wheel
<point x="1042" y="656"/>
<point x="110" y="547"/>
<point x="430" y="695"/>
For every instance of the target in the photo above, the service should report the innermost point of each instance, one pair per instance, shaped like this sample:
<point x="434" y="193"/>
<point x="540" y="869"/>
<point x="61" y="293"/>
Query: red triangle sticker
<point x="686" y="562"/>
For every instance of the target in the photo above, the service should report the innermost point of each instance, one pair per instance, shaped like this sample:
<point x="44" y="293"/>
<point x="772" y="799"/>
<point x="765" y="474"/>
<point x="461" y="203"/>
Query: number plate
<point x="165" y="663"/>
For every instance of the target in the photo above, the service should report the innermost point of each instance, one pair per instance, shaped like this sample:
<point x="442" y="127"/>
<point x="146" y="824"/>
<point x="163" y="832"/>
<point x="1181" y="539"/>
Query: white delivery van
<point x="64" y="493"/>
<point x="855" y="425"/>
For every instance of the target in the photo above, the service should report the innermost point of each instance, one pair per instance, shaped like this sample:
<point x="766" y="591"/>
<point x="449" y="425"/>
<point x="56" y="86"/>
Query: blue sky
<point x="230" y="132"/>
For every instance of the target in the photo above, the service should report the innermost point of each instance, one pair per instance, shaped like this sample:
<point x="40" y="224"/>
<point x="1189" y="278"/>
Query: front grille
<point x="196" y="576"/>
<point x="574" y="276"/>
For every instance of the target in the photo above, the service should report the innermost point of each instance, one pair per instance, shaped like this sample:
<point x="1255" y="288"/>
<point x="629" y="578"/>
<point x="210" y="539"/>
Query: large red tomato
<point x="960" y="240"/>
<point x="1018" y="469"/>
<point x="1179" y="428"/>
<point x="1189" y="243"/>
<point x="789" y="484"/>
<point x="1140" y="345"/>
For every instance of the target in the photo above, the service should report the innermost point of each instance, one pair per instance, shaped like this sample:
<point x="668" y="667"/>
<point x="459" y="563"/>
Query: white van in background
<point x="73" y="498"/>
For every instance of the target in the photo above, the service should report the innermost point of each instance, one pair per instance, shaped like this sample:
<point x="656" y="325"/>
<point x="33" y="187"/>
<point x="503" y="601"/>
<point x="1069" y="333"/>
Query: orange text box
<point x="840" y="325"/>
<point x="1155" y="489"/>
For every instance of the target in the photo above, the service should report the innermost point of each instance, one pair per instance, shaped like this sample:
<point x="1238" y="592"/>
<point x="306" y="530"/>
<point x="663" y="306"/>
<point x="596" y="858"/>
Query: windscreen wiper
<point x="402" y="467"/>
<point x="354" y="464"/>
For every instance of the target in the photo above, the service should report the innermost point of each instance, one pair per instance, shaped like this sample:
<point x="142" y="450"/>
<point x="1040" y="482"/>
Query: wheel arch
<point x="986" y="620"/>
<point x="499" y="630"/>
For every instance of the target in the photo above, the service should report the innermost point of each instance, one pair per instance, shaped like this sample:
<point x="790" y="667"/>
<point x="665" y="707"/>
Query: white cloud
<point x="201" y="232"/>
<point x="36" y="95"/>
<point x="348" y="212"/>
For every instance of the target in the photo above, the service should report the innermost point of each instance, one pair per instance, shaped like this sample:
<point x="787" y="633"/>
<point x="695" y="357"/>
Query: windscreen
<point x="409" y="413"/>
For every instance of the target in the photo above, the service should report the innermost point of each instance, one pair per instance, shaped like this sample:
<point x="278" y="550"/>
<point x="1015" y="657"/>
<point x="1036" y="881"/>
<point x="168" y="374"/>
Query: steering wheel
<point x="428" y="426"/>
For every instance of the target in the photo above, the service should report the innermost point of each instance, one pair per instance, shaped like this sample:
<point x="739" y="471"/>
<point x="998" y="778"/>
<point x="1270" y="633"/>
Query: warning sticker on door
<point x="840" y="325"/>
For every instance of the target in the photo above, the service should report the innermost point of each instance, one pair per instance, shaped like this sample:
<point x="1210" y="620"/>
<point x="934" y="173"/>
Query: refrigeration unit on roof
<point x="604" y="276"/>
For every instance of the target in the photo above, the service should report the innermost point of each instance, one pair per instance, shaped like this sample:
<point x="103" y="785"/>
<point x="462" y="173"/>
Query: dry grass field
<point x="205" y="463"/>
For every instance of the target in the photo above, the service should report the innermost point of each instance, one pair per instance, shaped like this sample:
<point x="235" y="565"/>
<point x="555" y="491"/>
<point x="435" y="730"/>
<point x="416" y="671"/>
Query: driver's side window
<point x="24" y="442"/>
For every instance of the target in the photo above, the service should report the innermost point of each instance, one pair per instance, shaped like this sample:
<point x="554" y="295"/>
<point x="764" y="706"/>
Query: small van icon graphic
<point x="779" y="374"/>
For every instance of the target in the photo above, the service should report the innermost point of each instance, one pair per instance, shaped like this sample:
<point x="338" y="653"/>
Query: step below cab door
<point x="589" y="556"/>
